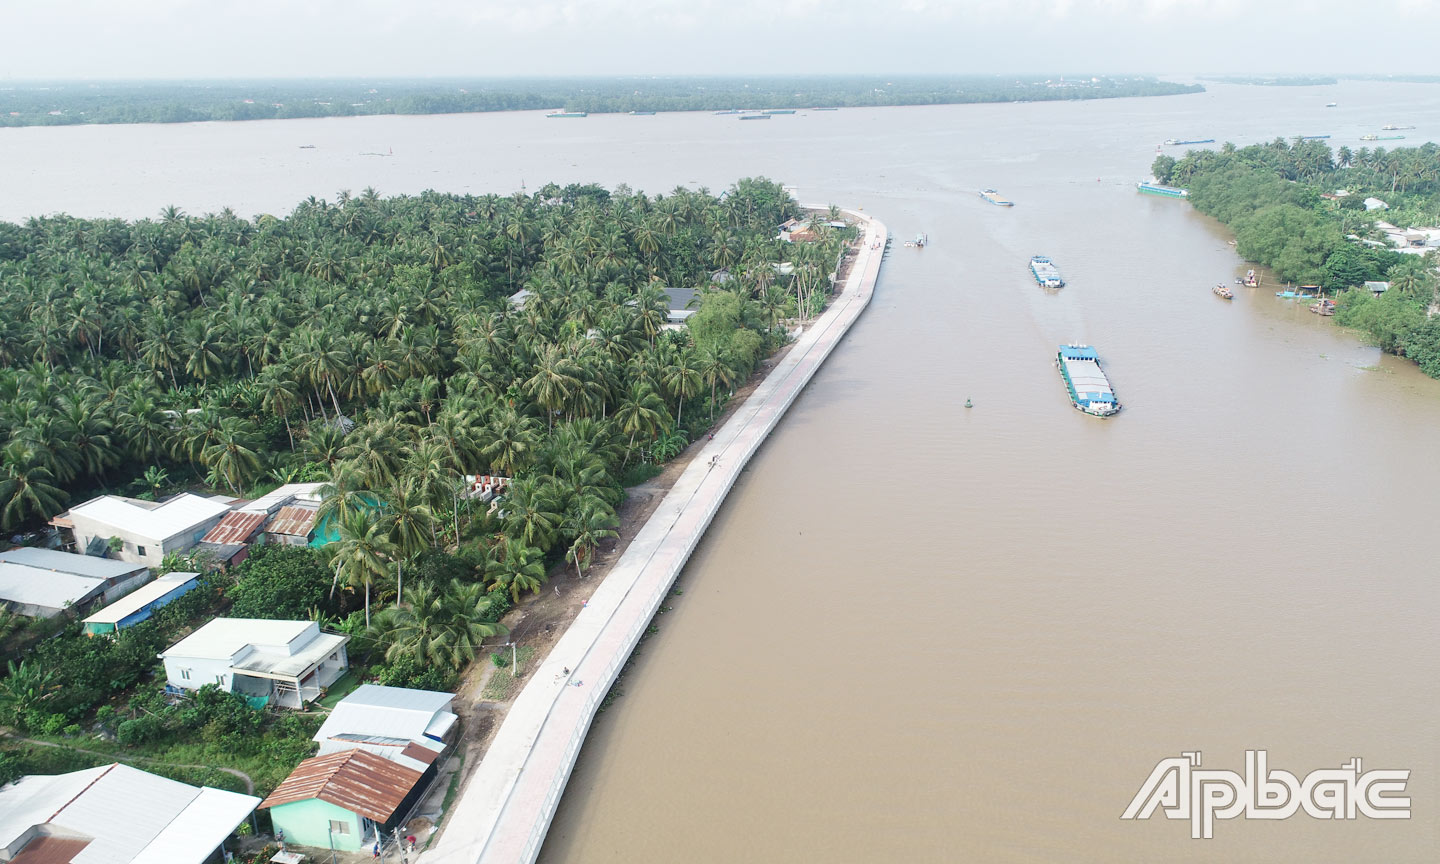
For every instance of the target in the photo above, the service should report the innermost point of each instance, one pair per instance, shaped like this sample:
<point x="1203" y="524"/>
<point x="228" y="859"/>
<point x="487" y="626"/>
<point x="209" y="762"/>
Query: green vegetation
<point x="68" y="103"/>
<point x="20" y="759"/>
<point x="504" y="679"/>
<point x="1280" y="201"/>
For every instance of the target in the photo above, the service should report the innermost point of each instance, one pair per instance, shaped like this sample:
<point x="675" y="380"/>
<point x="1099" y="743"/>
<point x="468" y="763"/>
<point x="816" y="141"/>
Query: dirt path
<point x="249" y="784"/>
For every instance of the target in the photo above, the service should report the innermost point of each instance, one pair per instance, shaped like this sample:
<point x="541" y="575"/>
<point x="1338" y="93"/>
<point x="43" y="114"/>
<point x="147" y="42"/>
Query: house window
<point x="140" y="550"/>
<point x="220" y="679"/>
<point x="339" y="827"/>
<point x="185" y="674"/>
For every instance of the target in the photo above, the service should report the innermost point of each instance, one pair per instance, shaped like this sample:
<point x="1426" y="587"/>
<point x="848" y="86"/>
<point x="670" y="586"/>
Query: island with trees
<point x="1301" y="209"/>
<point x="94" y="102"/>
<point x="390" y="349"/>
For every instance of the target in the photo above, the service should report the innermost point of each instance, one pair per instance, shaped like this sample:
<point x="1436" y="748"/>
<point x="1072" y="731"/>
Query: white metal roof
<point x="30" y="586"/>
<point x="223" y="638"/>
<point x="290" y="492"/>
<point x="275" y="664"/>
<point x="69" y="562"/>
<point x="140" y="598"/>
<point x="388" y="712"/>
<point x="127" y="812"/>
<point x="184" y="512"/>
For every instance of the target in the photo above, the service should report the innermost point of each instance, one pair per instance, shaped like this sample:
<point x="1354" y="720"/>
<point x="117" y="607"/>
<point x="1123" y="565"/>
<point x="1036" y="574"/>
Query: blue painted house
<point x="139" y="604"/>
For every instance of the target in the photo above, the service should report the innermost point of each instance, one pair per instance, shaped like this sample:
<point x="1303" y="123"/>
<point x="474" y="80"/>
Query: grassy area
<point x="340" y="689"/>
<point x="504" y="682"/>
<point x="24" y="759"/>
<point x="450" y="793"/>
<point x="639" y="473"/>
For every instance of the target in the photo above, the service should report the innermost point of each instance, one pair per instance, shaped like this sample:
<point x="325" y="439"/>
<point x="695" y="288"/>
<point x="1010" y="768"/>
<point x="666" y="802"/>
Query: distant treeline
<point x="1271" y="81"/>
<point x="68" y="103"/>
<point x="1281" y="201"/>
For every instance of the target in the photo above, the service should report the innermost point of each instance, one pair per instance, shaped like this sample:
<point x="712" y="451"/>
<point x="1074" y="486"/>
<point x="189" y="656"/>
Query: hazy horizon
<point x="185" y="40"/>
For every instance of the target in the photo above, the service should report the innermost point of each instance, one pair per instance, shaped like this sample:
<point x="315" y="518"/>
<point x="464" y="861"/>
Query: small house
<point x="412" y="727"/>
<point x="289" y="663"/>
<point x="1377" y="288"/>
<point x="292" y="525"/>
<point x="228" y="543"/>
<point x="142" y="531"/>
<point x="114" y="814"/>
<point x="343" y="800"/>
<point x="140" y="604"/>
<point x="42" y="583"/>
<point x="1376" y="204"/>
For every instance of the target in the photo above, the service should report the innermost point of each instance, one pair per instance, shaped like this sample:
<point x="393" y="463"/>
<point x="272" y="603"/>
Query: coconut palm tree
<point x="514" y="567"/>
<point x="439" y="627"/>
<point x="585" y="529"/>
<point x="27" y="489"/>
<point x="362" y="555"/>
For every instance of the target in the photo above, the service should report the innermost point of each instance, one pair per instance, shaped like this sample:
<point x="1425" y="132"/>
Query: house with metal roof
<point x="289" y="663"/>
<point x="146" y="530"/>
<point x="228" y="543"/>
<point x="292" y="525"/>
<point x="115" y="814"/>
<point x="139" y="604"/>
<point x="42" y="583"/>
<point x="291" y="493"/>
<point x="412" y="727"/>
<point x="343" y="800"/>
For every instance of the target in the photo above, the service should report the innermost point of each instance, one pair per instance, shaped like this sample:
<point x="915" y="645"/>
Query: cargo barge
<point x="1090" y="390"/>
<point x="1047" y="275"/>
<point x="994" y="198"/>
<point x="1162" y="191"/>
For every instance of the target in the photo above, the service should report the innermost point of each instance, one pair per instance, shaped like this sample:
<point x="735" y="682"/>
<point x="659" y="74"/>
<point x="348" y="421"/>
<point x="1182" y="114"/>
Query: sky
<point x="173" y="39"/>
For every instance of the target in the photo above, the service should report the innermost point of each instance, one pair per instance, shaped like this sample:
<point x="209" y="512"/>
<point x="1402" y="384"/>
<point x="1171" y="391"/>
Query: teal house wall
<point x="307" y="823"/>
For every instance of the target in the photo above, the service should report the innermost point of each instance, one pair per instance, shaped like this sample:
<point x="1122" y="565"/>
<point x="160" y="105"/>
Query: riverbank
<point x="505" y="809"/>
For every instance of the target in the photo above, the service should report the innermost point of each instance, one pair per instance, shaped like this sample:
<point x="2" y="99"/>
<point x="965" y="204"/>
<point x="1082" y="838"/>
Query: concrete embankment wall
<point x="505" y="811"/>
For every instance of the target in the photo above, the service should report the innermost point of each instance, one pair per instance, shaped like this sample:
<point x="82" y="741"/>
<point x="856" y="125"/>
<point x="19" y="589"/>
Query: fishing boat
<point x="566" y="115"/>
<point x="1251" y="280"/>
<point x="994" y="198"/>
<point x="754" y="116"/>
<point x="1222" y="292"/>
<point x="1291" y="294"/>
<point x="773" y="111"/>
<point x="1324" y="307"/>
<point x="1047" y="275"/>
<point x="1090" y="390"/>
<point x="1390" y="127"/>
<point x="1178" y="142"/>
<point x="1162" y="191"/>
<point x="1382" y="137"/>
<point x="919" y="242"/>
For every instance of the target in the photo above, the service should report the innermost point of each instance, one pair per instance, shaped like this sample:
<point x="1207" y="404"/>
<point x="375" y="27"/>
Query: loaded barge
<point x="1047" y="275"/>
<point x="1090" y="390"/>
<point x="1163" y="191"/>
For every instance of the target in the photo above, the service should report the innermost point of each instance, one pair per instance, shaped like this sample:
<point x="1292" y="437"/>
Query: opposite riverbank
<point x="506" y="808"/>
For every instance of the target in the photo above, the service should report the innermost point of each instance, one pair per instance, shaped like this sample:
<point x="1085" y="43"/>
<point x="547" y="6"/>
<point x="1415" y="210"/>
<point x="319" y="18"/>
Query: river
<point x="918" y="632"/>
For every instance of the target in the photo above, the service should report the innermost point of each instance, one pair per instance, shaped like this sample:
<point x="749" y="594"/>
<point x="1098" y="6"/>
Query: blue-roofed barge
<point x="1090" y="390"/>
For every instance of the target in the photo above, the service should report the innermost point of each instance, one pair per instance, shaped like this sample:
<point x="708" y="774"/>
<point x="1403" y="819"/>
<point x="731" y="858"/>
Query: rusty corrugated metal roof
<point x="51" y="850"/>
<point x="234" y="527"/>
<point x="357" y="780"/>
<point x="419" y="753"/>
<point x="293" y="520"/>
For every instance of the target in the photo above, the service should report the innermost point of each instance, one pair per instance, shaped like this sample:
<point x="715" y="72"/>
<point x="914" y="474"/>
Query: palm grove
<point x="371" y="344"/>
<point x="1279" y="199"/>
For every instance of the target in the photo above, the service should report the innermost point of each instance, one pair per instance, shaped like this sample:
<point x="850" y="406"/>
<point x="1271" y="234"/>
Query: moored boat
<point x="1251" y="279"/>
<point x="754" y="116"/>
<point x="1223" y="293"/>
<point x="1390" y="127"/>
<point x="1047" y="275"/>
<point x="566" y="115"/>
<point x="994" y="198"/>
<point x="1090" y="389"/>
<point x="642" y="113"/>
<point x="773" y="111"/>
<point x="1324" y="307"/>
<point x="1162" y="191"/>
<point x="731" y="111"/>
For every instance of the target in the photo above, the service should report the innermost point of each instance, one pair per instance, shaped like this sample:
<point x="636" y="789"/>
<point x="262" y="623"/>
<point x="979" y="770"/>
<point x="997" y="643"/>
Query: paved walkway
<point x="506" y="808"/>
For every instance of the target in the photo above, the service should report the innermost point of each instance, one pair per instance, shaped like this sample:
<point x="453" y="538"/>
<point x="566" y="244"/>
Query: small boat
<point x="1162" y="191"/>
<point x="1046" y="274"/>
<point x="1329" y="104"/>
<point x="1382" y="137"/>
<point x="1222" y="292"/>
<point x="1177" y="142"/>
<point x="969" y="404"/>
<point x="773" y="111"/>
<point x="754" y="116"/>
<point x="1389" y="127"/>
<point x="1325" y="308"/>
<point x="1314" y="137"/>
<point x="566" y="115"/>
<point x="1251" y="280"/>
<point x="994" y="198"/>
<point x="731" y="111"/>
<point x="824" y="109"/>
<point x="307" y="146"/>
<point x="1090" y="389"/>
<point x="919" y="241"/>
<point x="642" y="113"/>
<point x="1290" y="294"/>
